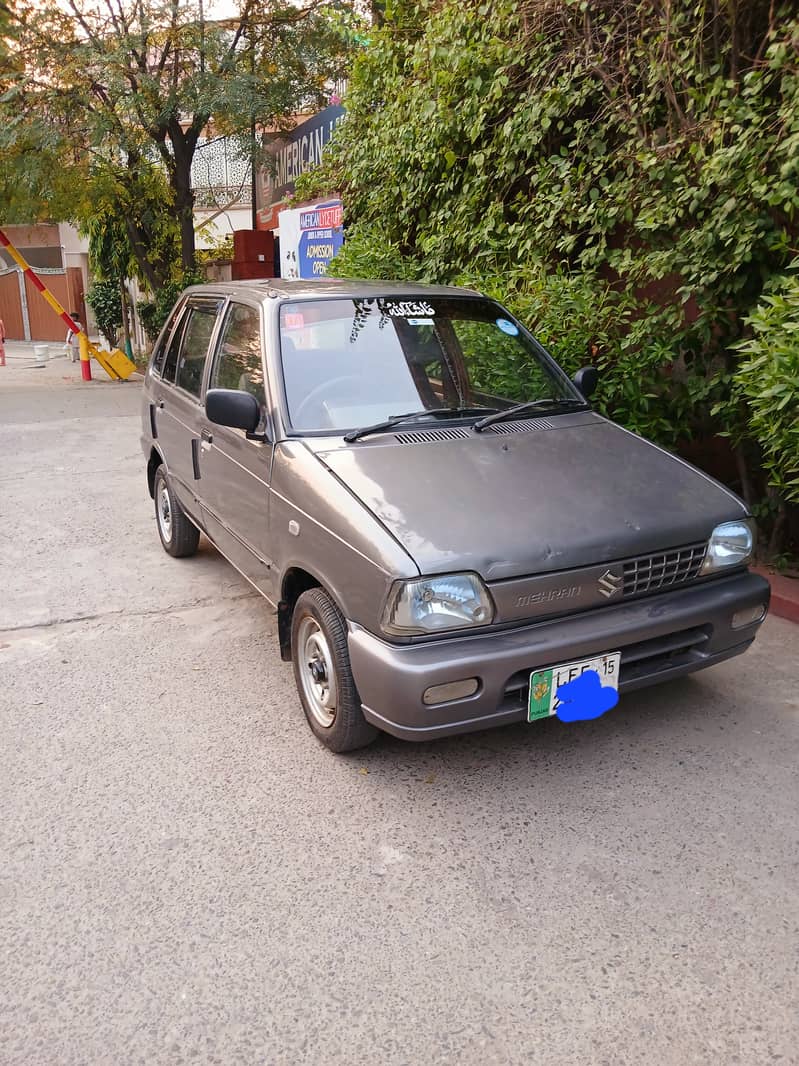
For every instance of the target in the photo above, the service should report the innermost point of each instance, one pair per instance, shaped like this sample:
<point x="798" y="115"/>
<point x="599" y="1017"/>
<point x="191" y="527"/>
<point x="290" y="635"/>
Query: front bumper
<point x="660" y="637"/>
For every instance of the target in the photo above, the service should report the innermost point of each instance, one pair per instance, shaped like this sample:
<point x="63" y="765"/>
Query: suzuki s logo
<point x="609" y="584"/>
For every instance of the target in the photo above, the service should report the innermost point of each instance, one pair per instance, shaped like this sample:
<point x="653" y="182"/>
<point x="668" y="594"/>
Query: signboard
<point x="309" y="238"/>
<point x="297" y="151"/>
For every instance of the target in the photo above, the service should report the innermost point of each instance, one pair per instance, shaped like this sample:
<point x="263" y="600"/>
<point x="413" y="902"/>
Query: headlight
<point x="432" y="604"/>
<point x="730" y="544"/>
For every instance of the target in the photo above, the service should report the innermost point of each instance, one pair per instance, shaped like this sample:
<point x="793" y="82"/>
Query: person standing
<point x="2" y="343"/>
<point x="73" y="349"/>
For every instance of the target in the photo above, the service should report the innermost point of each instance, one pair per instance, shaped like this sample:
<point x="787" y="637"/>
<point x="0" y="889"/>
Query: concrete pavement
<point x="21" y="357"/>
<point x="187" y="876"/>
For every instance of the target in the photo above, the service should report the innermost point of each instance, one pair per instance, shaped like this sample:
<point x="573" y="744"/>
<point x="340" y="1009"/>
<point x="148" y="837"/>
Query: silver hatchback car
<point x="442" y="558"/>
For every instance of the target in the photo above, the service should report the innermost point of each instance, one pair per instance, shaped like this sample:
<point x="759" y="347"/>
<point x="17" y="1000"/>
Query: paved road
<point x="188" y="877"/>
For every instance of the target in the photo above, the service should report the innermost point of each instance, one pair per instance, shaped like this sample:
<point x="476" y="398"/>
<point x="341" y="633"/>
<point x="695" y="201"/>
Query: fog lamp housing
<point x="748" y="616"/>
<point x="452" y="690"/>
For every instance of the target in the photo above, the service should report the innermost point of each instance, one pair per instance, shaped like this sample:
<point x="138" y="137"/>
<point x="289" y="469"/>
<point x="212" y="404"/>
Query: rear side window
<point x="194" y="349"/>
<point x="238" y="363"/>
<point x="159" y="353"/>
<point x="169" y="357"/>
<point x="158" y="358"/>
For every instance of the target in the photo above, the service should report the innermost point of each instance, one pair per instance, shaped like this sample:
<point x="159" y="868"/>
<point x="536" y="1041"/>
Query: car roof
<point x="303" y="289"/>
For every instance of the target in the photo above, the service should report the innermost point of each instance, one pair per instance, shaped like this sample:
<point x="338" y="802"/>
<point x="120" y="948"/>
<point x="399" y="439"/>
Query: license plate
<point x="544" y="684"/>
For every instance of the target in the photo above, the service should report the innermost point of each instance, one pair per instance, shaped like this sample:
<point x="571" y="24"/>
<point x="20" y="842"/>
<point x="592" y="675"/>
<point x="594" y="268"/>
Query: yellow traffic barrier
<point x="85" y="365"/>
<point x="116" y="364"/>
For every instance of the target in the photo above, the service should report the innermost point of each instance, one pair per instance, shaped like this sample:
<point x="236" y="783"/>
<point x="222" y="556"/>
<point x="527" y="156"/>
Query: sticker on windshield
<point x="510" y="328"/>
<point x="293" y="320"/>
<point x="420" y="322"/>
<point x="405" y="308"/>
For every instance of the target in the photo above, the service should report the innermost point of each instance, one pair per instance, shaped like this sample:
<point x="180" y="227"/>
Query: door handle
<point x="206" y="436"/>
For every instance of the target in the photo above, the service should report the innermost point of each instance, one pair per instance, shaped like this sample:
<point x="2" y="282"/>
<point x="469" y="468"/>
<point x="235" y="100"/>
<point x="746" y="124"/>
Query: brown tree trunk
<point x="123" y="297"/>
<point x="184" y="204"/>
<point x="775" y="543"/>
<point x="148" y="273"/>
<point x="743" y="475"/>
<point x="183" y="145"/>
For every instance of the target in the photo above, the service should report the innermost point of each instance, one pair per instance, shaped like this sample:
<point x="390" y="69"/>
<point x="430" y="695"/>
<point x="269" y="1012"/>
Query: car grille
<point x="664" y="570"/>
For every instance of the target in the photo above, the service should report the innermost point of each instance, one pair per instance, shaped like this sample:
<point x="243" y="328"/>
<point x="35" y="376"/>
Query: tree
<point x="121" y="86"/>
<point x="105" y="300"/>
<point x="767" y="381"/>
<point x="127" y="216"/>
<point x="5" y="18"/>
<point x="623" y="173"/>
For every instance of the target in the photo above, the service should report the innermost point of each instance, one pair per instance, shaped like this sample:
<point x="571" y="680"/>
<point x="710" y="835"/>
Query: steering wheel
<point x="319" y="392"/>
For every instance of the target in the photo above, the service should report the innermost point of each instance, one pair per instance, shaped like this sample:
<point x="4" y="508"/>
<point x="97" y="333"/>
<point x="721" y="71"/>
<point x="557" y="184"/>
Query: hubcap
<point x="317" y="673"/>
<point x="164" y="512"/>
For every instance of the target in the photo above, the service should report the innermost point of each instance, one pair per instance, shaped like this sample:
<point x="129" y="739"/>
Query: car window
<point x="496" y="363"/>
<point x="238" y="363"/>
<point x="158" y="356"/>
<point x="171" y="349"/>
<point x="194" y="350"/>
<point x="347" y="363"/>
<point x="159" y="352"/>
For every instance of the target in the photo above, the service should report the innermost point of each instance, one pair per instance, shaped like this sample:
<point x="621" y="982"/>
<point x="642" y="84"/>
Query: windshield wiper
<point x="553" y="402"/>
<point x="387" y="423"/>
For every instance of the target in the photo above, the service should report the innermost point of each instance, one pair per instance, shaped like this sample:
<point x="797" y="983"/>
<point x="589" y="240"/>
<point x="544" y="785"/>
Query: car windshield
<point x="350" y="363"/>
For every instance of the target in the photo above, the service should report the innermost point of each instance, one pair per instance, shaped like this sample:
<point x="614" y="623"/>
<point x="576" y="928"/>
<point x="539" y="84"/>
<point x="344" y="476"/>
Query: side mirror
<point x="234" y="408"/>
<point x="586" y="380"/>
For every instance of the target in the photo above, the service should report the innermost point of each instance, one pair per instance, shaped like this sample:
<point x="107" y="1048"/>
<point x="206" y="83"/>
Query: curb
<point x="784" y="594"/>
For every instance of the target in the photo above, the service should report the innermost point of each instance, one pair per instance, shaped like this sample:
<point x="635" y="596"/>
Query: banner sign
<point x="309" y="238"/>
<point x="296" y="152"/>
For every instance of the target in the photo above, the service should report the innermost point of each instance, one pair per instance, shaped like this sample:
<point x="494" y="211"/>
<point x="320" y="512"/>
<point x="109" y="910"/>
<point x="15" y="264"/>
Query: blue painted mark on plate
<point x="584" y="698"/>
<point x="510" y="328"/>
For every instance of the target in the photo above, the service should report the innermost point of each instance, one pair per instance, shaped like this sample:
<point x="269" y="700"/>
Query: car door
<point x="236" y="469"/>
<point x="179" y="412"/>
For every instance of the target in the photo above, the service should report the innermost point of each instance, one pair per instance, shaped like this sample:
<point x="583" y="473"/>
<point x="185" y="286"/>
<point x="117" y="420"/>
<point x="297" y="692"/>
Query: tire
<point x="179" y="536"/>
<point x="319" y="653"/>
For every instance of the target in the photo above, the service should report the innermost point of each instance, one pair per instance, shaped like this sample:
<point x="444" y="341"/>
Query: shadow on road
<point x="641" y="722"/>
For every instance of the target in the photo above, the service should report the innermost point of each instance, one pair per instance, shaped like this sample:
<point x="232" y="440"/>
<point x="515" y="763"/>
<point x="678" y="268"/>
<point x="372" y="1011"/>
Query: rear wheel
<point x="179" y="536"/>
<point x="323" y="674"/>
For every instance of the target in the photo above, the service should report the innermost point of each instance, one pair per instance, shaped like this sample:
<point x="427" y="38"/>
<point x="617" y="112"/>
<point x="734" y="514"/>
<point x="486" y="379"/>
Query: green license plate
<point x="544" y="684"/>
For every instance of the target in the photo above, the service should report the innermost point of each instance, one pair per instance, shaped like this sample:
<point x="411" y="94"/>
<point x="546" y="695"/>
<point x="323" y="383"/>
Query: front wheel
<point x="179" y="536"/>
<point x="323" y="675"/>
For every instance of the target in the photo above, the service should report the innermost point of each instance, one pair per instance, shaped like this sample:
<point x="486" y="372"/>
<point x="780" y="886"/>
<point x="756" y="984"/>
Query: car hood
<point x="582" y="491"/>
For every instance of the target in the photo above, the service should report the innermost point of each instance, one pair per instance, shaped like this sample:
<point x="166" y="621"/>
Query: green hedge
<point x="767" y="381"/>
<point x="625" y="176"/>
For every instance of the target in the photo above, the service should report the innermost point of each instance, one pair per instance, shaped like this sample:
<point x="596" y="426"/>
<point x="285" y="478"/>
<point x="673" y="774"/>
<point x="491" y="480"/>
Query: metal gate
<point x="26" y="316"/>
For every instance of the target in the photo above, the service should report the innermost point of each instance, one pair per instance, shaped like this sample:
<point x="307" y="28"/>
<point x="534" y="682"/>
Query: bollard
<point x="41" y="353"/>
<point x="85" y="364"/>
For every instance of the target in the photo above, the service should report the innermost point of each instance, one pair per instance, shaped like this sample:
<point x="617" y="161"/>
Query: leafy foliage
<point x="104" y="299"/>
<point x="768" y="383"/>
<point x="154" y="313"/>
<point x="367" y="252"/>
<point x="131" y="228"/>
<point x="128" y="87"/>
<point x="625" y="175"/>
